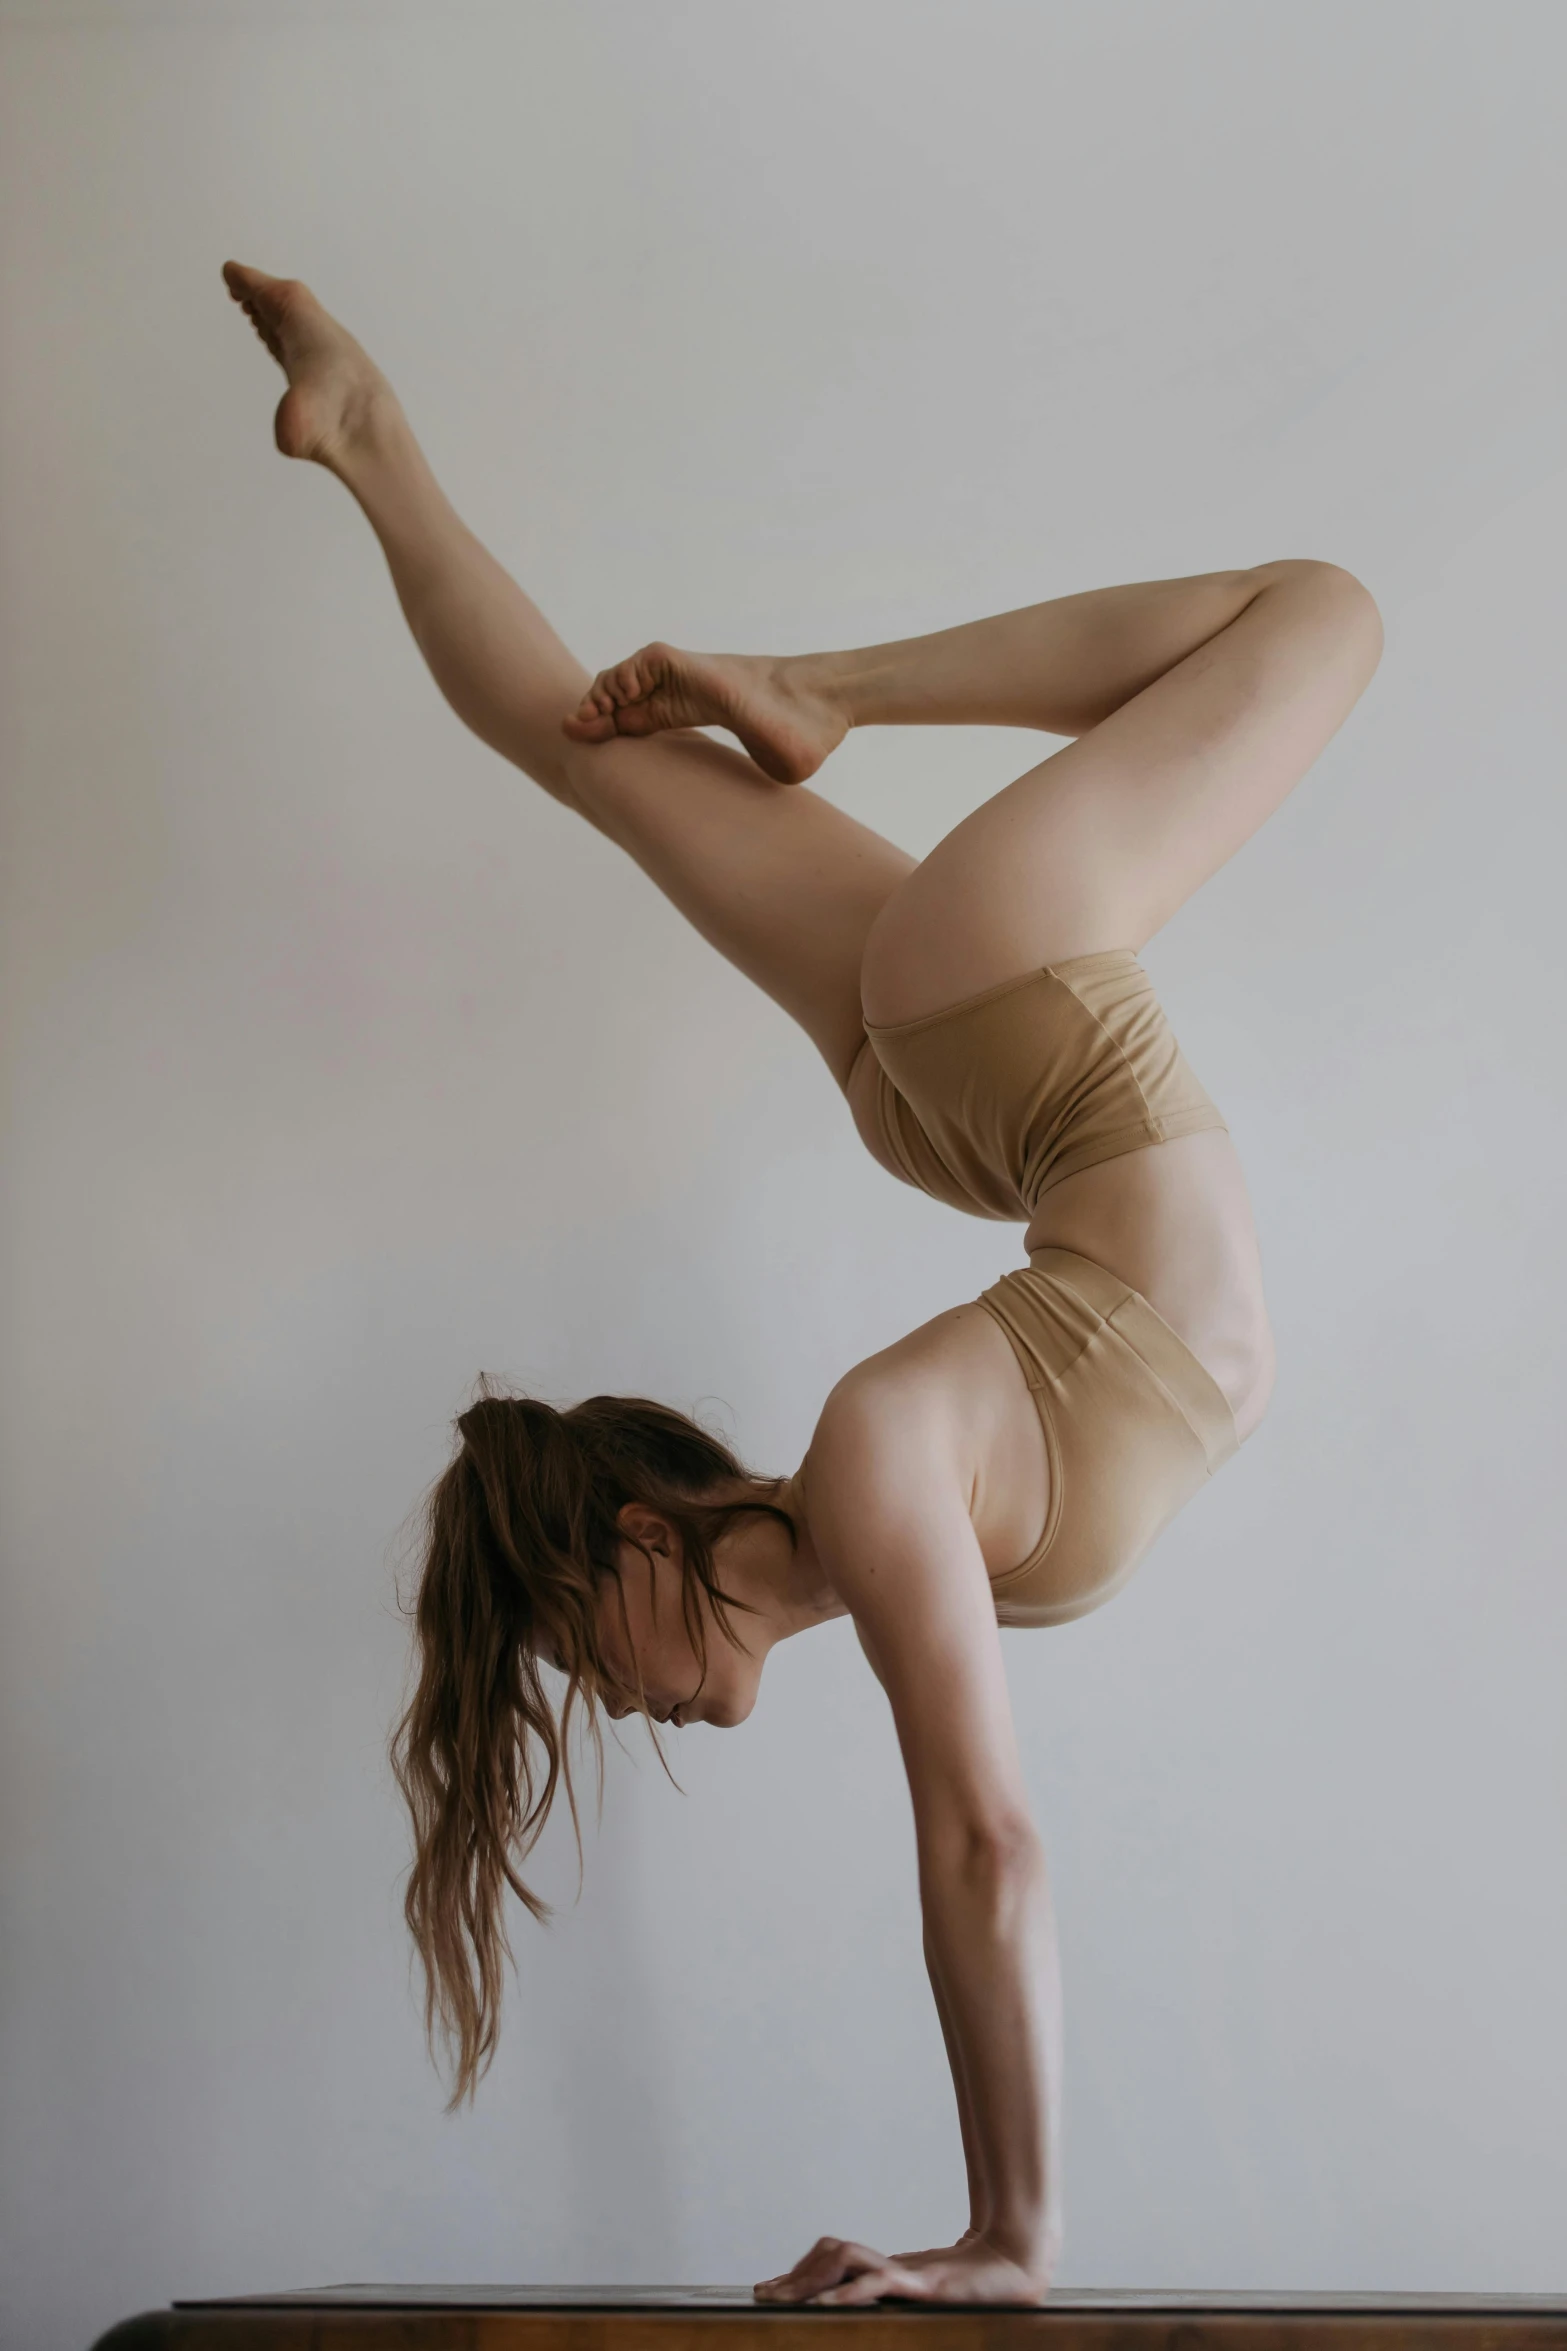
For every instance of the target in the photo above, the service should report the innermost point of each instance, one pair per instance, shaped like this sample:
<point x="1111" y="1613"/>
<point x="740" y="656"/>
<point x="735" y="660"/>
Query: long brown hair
<point x="518" y="1541"/>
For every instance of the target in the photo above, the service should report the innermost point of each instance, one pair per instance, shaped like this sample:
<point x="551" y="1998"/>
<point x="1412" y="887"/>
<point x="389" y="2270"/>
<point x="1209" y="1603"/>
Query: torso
<point x="1174" y="1221"/>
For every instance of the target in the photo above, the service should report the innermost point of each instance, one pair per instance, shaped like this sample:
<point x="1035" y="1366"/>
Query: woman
<point x="985" y="1014"/>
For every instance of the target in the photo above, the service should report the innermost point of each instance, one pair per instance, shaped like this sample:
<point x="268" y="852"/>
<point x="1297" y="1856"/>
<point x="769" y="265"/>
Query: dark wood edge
<point x="316" y="2328"/>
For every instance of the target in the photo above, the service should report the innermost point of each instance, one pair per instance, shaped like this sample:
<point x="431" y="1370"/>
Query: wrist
<point x="1032" y="2242"/>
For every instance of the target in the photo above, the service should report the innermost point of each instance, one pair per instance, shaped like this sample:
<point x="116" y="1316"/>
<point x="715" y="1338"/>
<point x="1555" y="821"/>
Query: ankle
<point x="822" y="678"/>
<point x="371" y="433"/>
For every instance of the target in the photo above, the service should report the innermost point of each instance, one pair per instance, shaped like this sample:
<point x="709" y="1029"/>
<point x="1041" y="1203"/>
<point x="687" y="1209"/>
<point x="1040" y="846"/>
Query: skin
<point x="1192" y="706"/>
<point x="788" y="1589"/>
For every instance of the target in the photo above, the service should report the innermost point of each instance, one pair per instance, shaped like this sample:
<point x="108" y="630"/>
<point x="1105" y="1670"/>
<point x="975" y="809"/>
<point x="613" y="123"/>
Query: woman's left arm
<point x="889" y="1518"/>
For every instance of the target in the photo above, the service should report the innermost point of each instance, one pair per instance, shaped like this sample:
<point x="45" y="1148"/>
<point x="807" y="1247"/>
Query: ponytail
<point x="520" y="1537"/>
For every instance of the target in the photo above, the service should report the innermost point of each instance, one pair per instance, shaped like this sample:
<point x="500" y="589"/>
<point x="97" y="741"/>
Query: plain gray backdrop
<point x="341" y="1065"/>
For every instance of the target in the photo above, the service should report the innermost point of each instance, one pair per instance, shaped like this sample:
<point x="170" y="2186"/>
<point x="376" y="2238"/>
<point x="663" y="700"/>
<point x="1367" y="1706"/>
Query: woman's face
<point x="676" y="1688"/>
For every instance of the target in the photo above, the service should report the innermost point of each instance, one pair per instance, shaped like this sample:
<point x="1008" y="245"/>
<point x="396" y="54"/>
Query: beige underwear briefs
<point x="989" y="1103"/>
<point x="1134" y="1426"/>
<point x="986" y="1105"/>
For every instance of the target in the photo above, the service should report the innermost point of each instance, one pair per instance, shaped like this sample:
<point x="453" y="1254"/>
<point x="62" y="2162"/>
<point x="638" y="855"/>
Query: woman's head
<point x="582" y="1541"/>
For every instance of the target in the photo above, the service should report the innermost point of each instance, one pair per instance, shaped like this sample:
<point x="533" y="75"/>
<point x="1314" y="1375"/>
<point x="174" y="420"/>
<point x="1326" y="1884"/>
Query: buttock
<point x="989" y="1103"/>
<point x="1133" y="1424"/>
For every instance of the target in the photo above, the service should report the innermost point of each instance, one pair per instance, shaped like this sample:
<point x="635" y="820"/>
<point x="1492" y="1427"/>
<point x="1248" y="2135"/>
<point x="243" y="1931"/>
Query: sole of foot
<point x="334" y="386"/>
<point x="787" y="728"/>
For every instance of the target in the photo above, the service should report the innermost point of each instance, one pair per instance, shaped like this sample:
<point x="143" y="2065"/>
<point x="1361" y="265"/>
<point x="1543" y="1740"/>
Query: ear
<point x="645" y="1527"/>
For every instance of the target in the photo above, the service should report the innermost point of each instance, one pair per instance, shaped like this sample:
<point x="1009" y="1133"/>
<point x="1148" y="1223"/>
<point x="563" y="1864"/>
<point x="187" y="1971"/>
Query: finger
<point x="800" y="2283"/>
<point x="838" y="2267"/>
<point x="822" y="2266"/>
<point x="870" y="2286"/>
<point x="823" y="2250"/>
<point x="910" y="2285"/>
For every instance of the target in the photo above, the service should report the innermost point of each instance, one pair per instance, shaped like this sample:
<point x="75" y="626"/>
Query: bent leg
<point x="1196" y="703"/>
<point x="1102" y="843"/>
<point x="1061" y="666"/>
<point x="781" y="882"/>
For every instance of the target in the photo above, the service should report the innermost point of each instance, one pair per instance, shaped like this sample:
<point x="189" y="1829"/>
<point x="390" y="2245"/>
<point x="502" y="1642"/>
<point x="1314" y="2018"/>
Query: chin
<point x="729" y="1712"/>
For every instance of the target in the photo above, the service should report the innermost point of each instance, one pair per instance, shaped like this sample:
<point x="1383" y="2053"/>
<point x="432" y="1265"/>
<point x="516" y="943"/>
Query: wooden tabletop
<point x="717" y="2318"/>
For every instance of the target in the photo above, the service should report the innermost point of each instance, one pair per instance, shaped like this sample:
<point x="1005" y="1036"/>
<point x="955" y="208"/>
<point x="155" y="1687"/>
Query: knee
<point x="1327" y="582"/>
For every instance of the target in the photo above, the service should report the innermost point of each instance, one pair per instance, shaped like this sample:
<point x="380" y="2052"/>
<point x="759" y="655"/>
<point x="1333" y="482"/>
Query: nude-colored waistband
<point x="1192" y="1388"/>
<point x="1104" y="958"/>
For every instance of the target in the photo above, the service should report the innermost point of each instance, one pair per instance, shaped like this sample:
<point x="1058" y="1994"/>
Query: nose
<point x="618" y="1712"/>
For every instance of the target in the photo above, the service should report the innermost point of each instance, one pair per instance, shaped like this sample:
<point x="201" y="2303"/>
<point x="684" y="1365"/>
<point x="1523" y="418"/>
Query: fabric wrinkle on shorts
<point x="1134" y="1426"/>
<point x="989" y="1103"/>
<point x="985" y="1106"/>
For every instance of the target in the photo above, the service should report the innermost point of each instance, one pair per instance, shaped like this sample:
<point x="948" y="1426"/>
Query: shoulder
<point x="889" y="1500"/>
<point x="907" y="1396"/>
<point x="933" y="1391"/>
<point x="901" y="1429"/>
<point x="942" y="1422"/>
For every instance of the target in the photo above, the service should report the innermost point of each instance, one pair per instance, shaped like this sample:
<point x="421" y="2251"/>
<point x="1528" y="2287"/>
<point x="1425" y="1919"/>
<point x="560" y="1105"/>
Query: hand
<point x="972" y="2270"/>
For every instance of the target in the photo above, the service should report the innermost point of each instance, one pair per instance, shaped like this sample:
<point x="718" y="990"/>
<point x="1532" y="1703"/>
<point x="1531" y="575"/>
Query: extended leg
<point x="784" y="884"/>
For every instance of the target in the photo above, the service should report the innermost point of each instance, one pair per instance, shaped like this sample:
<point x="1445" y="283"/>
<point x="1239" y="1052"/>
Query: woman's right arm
<point x="889" y="1518"/>
<point x="972" y="2157"/>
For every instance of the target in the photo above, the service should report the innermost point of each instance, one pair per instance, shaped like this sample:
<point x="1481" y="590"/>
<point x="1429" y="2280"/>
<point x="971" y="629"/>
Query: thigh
<point x="781" y="882"/>
<point x="1098" y="846"/>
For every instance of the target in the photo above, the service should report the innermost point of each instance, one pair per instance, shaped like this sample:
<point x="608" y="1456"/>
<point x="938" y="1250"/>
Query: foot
<point x="333" y="386"/>
<point x="788" y="724"/>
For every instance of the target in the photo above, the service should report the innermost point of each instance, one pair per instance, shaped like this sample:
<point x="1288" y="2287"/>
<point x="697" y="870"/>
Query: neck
<point x="785" y="1583"/>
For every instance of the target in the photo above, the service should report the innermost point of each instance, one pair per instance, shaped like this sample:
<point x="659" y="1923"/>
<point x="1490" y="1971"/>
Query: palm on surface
<point x="839" y="2272"/>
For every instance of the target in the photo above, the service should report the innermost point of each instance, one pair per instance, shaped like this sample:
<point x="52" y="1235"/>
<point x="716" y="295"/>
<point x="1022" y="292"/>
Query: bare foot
<point x="332" y="384"/>
<point x="788" y="725"/>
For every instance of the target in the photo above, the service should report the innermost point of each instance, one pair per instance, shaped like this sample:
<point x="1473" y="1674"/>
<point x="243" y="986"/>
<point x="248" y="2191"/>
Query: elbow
<point x="984" y="1851"/>
<point x="983" y="1887"/>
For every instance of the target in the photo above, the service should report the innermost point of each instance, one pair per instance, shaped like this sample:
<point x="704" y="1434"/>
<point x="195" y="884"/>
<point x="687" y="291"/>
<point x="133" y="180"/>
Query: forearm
<point x="1061" y="666"/>
<point x="991" y="1947"/>
<point x="972" y="2160"/>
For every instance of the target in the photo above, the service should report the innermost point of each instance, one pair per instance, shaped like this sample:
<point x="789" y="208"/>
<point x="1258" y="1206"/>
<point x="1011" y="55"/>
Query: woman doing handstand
<point x="985" y="1014"/>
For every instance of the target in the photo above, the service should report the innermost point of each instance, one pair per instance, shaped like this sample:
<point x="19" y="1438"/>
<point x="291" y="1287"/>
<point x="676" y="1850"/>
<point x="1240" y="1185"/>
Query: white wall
<point x="341" y="1064"/>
